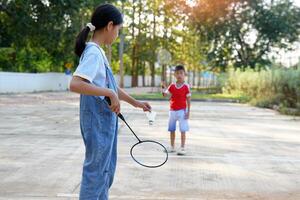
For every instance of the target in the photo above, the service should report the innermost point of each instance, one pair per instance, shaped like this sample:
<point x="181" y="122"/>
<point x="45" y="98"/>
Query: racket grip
<point x="107" y="99"/>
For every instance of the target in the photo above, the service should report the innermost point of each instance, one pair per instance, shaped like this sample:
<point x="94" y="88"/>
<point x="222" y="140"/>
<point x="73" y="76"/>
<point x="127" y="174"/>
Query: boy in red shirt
<point x="180" y="103"/>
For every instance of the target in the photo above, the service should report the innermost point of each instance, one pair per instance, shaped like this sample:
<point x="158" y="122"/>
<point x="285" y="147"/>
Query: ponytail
<point x="102" y="15"/>
<point x="81" y="40"/>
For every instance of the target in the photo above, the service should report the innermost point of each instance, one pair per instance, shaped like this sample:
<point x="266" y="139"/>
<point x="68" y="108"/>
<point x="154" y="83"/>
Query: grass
<point x="195" y="96"/>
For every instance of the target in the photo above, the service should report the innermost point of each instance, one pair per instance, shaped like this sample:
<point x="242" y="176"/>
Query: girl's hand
<point x="144" y="105"/>
<point x="115" y="102"/>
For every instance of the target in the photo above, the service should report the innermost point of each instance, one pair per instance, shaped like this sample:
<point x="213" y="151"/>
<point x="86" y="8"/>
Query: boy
<point x="180" y="103"/>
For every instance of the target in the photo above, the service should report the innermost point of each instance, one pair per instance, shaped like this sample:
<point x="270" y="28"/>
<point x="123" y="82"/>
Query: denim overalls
<point x="99" y="126"/>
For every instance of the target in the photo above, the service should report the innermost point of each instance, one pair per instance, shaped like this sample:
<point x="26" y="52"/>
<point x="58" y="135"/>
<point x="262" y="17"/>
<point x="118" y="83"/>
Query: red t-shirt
<point x="178" y="96"/>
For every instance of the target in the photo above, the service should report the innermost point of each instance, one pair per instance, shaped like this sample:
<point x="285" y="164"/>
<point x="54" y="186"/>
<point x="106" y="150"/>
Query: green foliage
<point x="37" y="36"/>
<point x="243" y="32"/>
<point x="33" y="60"/>
<point x="41" y="33"/>
<point x="6" y="55"/>
<point x="266" y="88"/>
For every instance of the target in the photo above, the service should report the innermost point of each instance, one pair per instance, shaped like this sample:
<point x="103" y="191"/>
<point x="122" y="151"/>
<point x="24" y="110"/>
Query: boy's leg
<point x="184" y="127"/>
<point x="182" y="139"/>
<point x="183" y="122"/>
<point x="172" y="129"/>
<point x="172" y="139"/>
<point x="182" y="152"/>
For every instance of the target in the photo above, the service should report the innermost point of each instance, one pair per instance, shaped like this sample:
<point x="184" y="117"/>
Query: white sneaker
<point x="171" y="150"/>
<point x="181" y="152"/>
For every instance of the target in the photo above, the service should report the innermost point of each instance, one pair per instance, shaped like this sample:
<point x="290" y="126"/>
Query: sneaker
<point x="171" y="150"/>
<point x="181" y="152"/>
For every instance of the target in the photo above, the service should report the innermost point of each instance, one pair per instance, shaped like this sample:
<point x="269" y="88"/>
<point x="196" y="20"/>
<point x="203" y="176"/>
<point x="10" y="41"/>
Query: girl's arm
<point x="82" y="86"/>
<point x="126" y="97"/>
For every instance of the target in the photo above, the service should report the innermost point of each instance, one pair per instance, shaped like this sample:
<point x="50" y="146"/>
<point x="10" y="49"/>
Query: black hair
<point x="102" y="15"/>
<point x="179" y="67"/>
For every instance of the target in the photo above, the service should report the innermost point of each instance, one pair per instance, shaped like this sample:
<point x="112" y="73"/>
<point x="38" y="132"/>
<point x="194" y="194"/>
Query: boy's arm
<point x="187" y="114"/>
<point x="165" y="92"/>
<point x="126" y="97"/>
<point x="188" y="101"/>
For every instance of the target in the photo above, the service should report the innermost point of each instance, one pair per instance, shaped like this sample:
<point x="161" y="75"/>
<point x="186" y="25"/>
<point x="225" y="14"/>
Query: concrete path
<point x="235" y="152"/>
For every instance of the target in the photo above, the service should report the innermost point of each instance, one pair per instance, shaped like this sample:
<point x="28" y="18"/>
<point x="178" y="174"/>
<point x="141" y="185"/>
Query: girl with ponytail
<point x="93" y="80"/>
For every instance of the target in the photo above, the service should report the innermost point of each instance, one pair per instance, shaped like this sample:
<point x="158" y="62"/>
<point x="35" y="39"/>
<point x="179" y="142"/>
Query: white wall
<point x="127" y="80"/>
<point x="11" y="82"/>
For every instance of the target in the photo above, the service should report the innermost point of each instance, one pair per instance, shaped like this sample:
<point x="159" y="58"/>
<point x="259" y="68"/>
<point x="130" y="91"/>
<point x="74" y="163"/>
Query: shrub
<point x="266" y="88"/>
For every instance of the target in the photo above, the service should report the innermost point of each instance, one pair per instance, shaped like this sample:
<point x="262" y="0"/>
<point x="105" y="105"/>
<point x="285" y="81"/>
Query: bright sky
<point x="297" y="2"/>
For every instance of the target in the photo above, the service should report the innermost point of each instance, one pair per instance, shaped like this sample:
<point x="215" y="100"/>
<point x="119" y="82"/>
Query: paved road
<point x="235" y="152"/>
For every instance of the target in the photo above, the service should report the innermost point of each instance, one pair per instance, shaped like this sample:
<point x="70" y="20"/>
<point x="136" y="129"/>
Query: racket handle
<point x="107" y="99"/>
<point x="121" y="117"/>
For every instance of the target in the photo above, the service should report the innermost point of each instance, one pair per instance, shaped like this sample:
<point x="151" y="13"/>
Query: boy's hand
<point x="187" y="115"/>
<point x="144" y="105"/>
<point x="163" y="85"/>
<point x="163" y="88"/>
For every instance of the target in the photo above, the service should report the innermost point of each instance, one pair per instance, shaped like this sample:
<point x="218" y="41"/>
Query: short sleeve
<point x="188" y="91"/>
<point x="88" y="66"/>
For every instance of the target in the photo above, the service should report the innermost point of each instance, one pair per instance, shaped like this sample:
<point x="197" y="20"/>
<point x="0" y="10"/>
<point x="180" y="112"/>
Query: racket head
<point x="149" y="153"/>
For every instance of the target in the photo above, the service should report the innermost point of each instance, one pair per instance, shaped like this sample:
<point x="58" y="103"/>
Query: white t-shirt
<point x="92" y="65"/>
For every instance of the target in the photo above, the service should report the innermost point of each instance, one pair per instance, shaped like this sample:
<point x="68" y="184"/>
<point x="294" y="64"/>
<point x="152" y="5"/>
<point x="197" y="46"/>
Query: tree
<point x="242" y="32"/>
<point x="42" y="32"/>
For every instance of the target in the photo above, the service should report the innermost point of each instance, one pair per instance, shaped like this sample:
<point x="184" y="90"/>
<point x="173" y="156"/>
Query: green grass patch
<point x="195" y="96"/>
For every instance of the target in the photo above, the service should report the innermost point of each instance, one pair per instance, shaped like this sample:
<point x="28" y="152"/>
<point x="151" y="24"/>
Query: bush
<point x="6" y="57"/>
<point x="26" y="60"/>
<point x="266" y="88"/>
<point x="33" y="60"/>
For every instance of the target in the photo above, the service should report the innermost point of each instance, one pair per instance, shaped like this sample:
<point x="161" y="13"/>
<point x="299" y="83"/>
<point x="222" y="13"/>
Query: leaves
<point x="243" y="32"/>
<point x="211" y="35"/>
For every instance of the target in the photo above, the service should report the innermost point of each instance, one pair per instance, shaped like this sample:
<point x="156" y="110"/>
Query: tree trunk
<point x="121" y="48"/>
<point x="199" y="79"/>
<point x="152" y="67"/>
<point x="143" y="73"/>
<point x="121" y="51"/>
<point x="170" y="75"/>
<point x="163" y="73"/>
<point x="137" y="47"/>
<point x="188" y="76"/>
<point x="133" y="54"/>
<point x="194" y="77"/>
<point x="134" y="65"/>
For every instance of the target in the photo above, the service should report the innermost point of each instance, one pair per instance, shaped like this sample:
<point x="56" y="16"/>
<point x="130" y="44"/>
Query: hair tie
<point x="91" y="26"/>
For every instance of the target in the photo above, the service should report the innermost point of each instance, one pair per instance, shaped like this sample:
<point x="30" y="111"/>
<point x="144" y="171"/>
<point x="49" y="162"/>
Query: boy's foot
<point x="181" y="152"/>
<point x="171" y="150"/>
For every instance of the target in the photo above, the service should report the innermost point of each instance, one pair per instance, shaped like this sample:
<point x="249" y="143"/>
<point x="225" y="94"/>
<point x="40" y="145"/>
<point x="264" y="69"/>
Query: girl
<point x="94" y="80"/>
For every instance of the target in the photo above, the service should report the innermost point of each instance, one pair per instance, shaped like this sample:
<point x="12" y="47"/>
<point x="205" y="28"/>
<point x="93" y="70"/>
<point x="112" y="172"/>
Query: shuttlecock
<point x="151" y="117"/>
